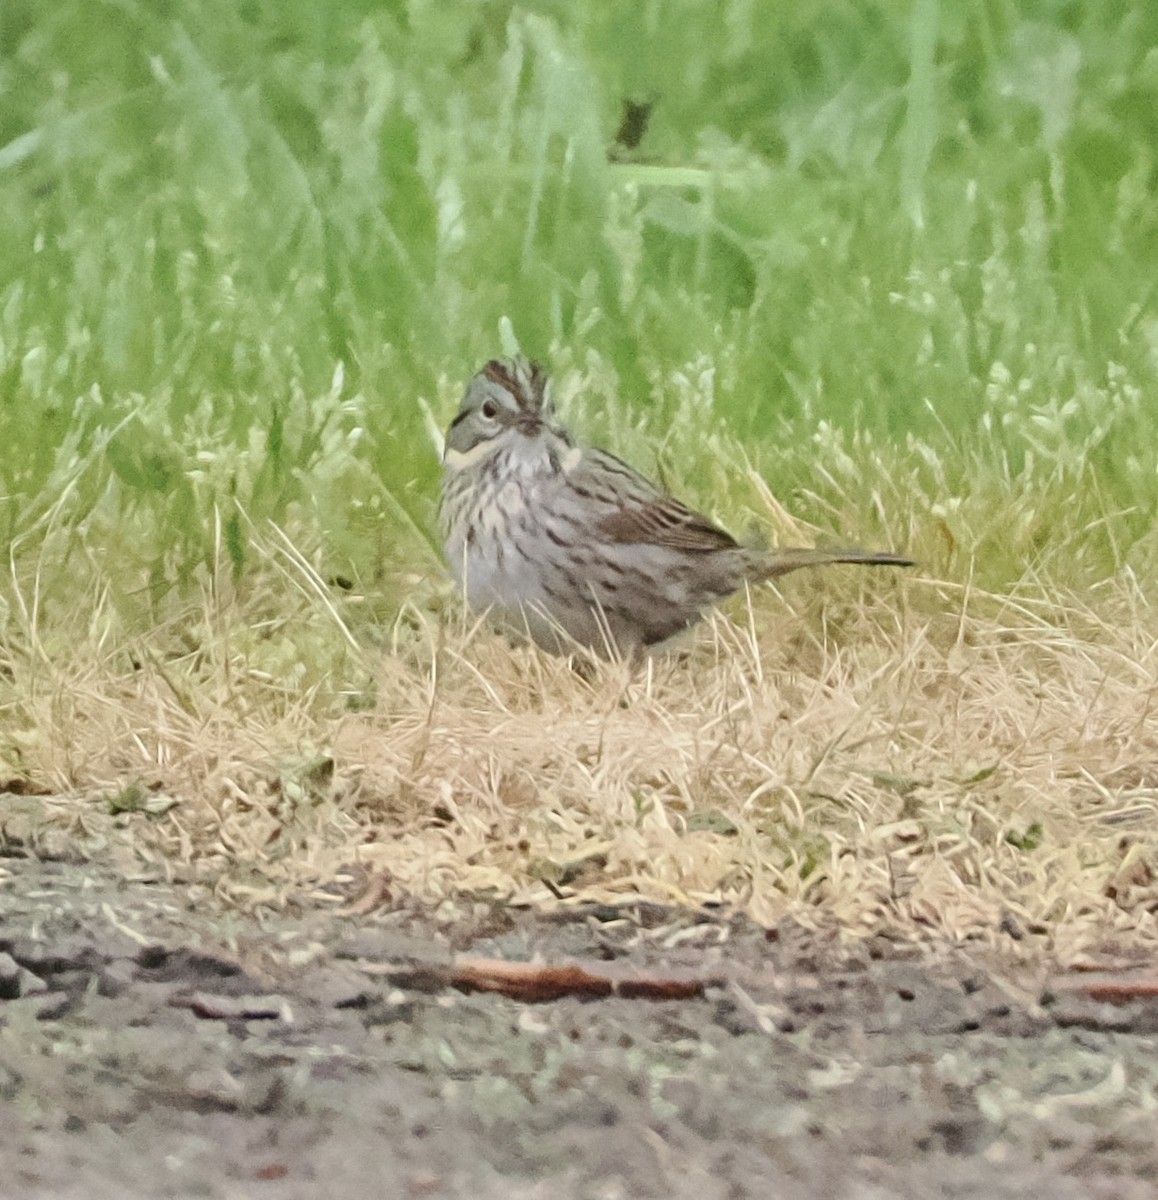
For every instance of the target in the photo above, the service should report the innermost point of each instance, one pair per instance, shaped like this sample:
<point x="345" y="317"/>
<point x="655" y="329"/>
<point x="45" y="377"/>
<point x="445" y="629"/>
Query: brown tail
<point x="768" y="564"/>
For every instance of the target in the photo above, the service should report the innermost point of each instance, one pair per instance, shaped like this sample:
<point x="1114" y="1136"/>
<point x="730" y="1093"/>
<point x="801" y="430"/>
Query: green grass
<point x="900" y="260"/>
<point x="905" y="258"/>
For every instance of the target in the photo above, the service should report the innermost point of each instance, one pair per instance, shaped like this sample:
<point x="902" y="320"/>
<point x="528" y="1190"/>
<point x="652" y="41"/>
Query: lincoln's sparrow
<point x="573" y="546"/>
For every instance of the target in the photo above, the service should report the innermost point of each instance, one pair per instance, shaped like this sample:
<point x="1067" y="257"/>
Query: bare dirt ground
<point x="155" y="1044"/>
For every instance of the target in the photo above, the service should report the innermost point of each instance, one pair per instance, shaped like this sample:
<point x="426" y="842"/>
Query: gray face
<point x="505" y="394"/>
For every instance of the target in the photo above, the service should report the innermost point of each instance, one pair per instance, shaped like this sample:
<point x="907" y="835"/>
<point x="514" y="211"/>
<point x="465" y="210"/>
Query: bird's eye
<point x="490" y="410"/>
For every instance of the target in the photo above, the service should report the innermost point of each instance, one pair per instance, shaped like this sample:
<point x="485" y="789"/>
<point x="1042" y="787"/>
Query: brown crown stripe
<point x="496" y="371"/>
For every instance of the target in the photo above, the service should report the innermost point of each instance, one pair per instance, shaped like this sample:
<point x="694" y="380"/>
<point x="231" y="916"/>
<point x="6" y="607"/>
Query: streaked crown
<point x="508" y="393"/>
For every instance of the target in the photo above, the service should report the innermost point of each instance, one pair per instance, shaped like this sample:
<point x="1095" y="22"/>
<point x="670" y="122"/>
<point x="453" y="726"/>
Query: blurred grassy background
<point x="900" y="258"/>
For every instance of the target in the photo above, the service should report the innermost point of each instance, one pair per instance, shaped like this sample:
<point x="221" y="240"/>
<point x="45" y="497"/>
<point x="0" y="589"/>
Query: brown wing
<point x="633" y="511"/>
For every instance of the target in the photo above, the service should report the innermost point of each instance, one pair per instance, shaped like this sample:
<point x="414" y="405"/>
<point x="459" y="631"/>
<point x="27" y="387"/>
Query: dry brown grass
<point x="912" y="754"/>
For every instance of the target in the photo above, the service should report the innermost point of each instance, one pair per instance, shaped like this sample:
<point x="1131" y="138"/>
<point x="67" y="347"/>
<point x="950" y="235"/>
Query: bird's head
<point x="508" y="399"/>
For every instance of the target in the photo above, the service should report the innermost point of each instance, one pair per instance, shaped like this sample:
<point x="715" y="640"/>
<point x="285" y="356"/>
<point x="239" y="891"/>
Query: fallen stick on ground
<point x="544" y="981"/>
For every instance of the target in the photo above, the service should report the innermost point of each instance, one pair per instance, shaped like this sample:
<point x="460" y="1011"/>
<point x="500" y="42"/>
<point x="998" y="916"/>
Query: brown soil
<point x="153" y="1044"/>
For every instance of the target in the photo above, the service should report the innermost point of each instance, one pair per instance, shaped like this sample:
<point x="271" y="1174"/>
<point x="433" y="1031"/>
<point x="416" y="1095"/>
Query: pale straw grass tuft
<point x="865" y="752"/>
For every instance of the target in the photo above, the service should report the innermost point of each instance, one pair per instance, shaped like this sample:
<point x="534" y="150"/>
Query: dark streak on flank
<point x="516" y="544"/>
<point x="563" y="599"/>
